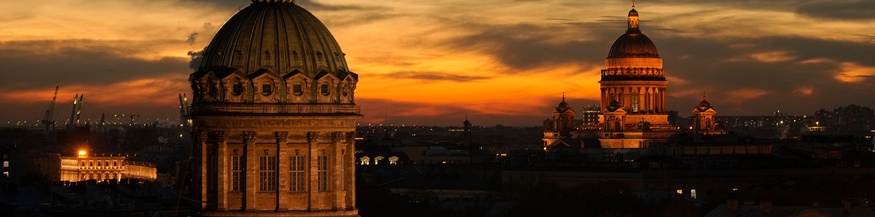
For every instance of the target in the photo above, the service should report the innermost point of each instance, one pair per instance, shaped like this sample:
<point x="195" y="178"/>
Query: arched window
<point x="324" y="89"/>
<point x="298" y="89"/>
<point x="266" y="88"/>
<point x="237" y="88"/>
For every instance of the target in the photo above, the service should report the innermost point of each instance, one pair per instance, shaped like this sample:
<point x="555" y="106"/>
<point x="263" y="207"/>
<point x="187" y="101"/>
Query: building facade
<point x="99" y="167"/>
<point x="273" y="114"/>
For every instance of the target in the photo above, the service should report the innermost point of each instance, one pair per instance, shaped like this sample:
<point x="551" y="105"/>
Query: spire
<point x="704" y="96"/>
<point x="563" y="96"/>
<point x="633" y="4"/>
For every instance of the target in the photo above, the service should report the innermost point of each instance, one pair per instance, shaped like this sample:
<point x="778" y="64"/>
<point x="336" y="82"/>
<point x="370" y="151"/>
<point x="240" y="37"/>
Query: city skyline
<point x="438" y="62"/>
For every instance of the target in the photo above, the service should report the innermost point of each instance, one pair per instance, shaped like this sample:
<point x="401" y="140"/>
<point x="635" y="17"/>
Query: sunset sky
<point x="434" y="62"/>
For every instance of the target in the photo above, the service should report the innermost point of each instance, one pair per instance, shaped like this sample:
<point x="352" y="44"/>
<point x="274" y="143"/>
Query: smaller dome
<point x="704" y="103"/>
<point x="613" y="106"/>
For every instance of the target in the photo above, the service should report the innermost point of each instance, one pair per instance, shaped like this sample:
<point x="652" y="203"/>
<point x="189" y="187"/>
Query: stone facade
<point x="273" y="115"/>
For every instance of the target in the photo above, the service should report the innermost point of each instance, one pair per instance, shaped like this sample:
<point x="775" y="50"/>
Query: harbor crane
<point x="48" y="119"/>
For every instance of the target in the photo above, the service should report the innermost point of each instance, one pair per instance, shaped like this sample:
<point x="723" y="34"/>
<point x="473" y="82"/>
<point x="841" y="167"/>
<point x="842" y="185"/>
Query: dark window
<point x="237" y="89"/>
<point x="324" y="89"/>
<point x="323" y="173"/>
<point x="298" y="89"/>
<point x="267" y="173"/>
<point x="236" y="173"/>
<point x="266" y="89"/>
<point x="296" y="175"/>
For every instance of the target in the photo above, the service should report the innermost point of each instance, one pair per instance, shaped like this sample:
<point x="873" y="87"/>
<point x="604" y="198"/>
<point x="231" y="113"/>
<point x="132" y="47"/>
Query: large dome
<point x="276" y="35"/>
<point x="633" y="44"/>
<point x="274" y="52"/>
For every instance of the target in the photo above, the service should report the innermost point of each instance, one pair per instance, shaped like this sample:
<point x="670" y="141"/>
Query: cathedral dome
<point x="277" y="36"/>
<point x="633" y="44"/>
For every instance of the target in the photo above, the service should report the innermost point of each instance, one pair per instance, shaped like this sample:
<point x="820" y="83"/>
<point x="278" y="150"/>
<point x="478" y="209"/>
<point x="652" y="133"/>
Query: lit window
<point x="693" y="193"/>
<point x="365" y="160"/>
<point x="296" y="173"/>
<point x="5" y="163"/>
<point x="267" y="173"/>
<point x="393" y="160"/>
<point x="266" y="89"/>
<point x="323" y="173"/>
<point x="680" y="191"/>
<point x="236" y="173"/>
<point x="6" y="173"/>
<point x="298" y="89"/>
<point x="324" y="89"/>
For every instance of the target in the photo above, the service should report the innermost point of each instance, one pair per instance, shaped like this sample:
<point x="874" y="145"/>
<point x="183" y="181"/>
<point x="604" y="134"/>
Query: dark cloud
<point x="840" y="10"/>
<point x="433" y="76"/>
<point x="720" y="67"/>
<point x="523" y="47"/>
<point x="49" y="63"/>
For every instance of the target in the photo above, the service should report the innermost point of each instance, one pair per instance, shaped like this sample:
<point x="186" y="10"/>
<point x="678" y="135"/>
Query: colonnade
<point x="635" y="99"/>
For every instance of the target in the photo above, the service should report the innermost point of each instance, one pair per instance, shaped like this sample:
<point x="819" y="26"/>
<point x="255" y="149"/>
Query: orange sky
<point x="433" y="62"/>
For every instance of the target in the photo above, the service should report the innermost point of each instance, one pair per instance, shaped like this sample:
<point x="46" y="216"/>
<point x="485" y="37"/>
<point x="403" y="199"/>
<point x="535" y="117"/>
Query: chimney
<point x="766" y="207"/>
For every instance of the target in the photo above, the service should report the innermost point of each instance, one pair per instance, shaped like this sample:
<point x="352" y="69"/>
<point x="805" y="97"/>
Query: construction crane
<point x="48" y="119"/>
<point x="77" y="110"/>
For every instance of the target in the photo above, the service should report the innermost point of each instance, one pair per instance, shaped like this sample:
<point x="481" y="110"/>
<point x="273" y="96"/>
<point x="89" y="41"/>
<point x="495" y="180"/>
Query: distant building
<point x="633" y="92"/>
<point x="703" y="119"/>
<point x="85" y="167"/>
<point x="591" y="116"/>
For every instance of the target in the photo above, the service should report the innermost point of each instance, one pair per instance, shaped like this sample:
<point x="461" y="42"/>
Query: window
<point x="237" y="89"/>
<point x="298" y="89"/>
<point x="98" y="163"/>
<point x="236" y="173"/>
<point x="267" y="173"/>
<point x="296" y="173"/>
<point x="324" y="89"/>
<point x="115" y="163"/>
<point x="323" y="172"/>
<point x="635" y="102"/>
<point x="5" y="163"/>
<point x="693" y="193"/>
<point x="266" y="89"/>
<point x="680" y="191"/>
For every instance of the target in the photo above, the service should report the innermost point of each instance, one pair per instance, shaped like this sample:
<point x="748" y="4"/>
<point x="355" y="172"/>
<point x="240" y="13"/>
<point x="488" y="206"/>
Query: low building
<point x="96" y="167"/>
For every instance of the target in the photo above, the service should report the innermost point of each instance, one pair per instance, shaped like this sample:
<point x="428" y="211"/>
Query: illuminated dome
<point x="633" y="44"/>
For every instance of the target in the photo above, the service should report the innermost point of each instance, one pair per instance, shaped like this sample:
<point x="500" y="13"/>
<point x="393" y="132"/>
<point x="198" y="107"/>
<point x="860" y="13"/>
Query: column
<point x="313" y="172"/>
<point x="336" y="170"/>
<point x="201" y="155"/>
<point x="250" y="172"/>
<point x="282" y="171"/>
<point x="222" y="171"/>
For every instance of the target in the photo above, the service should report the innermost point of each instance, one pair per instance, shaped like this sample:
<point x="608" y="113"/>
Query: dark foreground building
<point x="274" y="117"/>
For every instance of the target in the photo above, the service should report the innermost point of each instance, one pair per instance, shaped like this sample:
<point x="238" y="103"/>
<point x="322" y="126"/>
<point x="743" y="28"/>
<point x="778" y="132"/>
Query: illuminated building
<point x="633" y="92"/>
<point x="273" y="116"/>
<point x="703" y="119"/>
<point x="83" y="167"/>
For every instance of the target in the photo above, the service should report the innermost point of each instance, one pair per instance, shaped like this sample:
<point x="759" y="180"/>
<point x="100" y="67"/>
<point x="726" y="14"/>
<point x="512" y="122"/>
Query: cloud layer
<point x="432" y="62"/>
